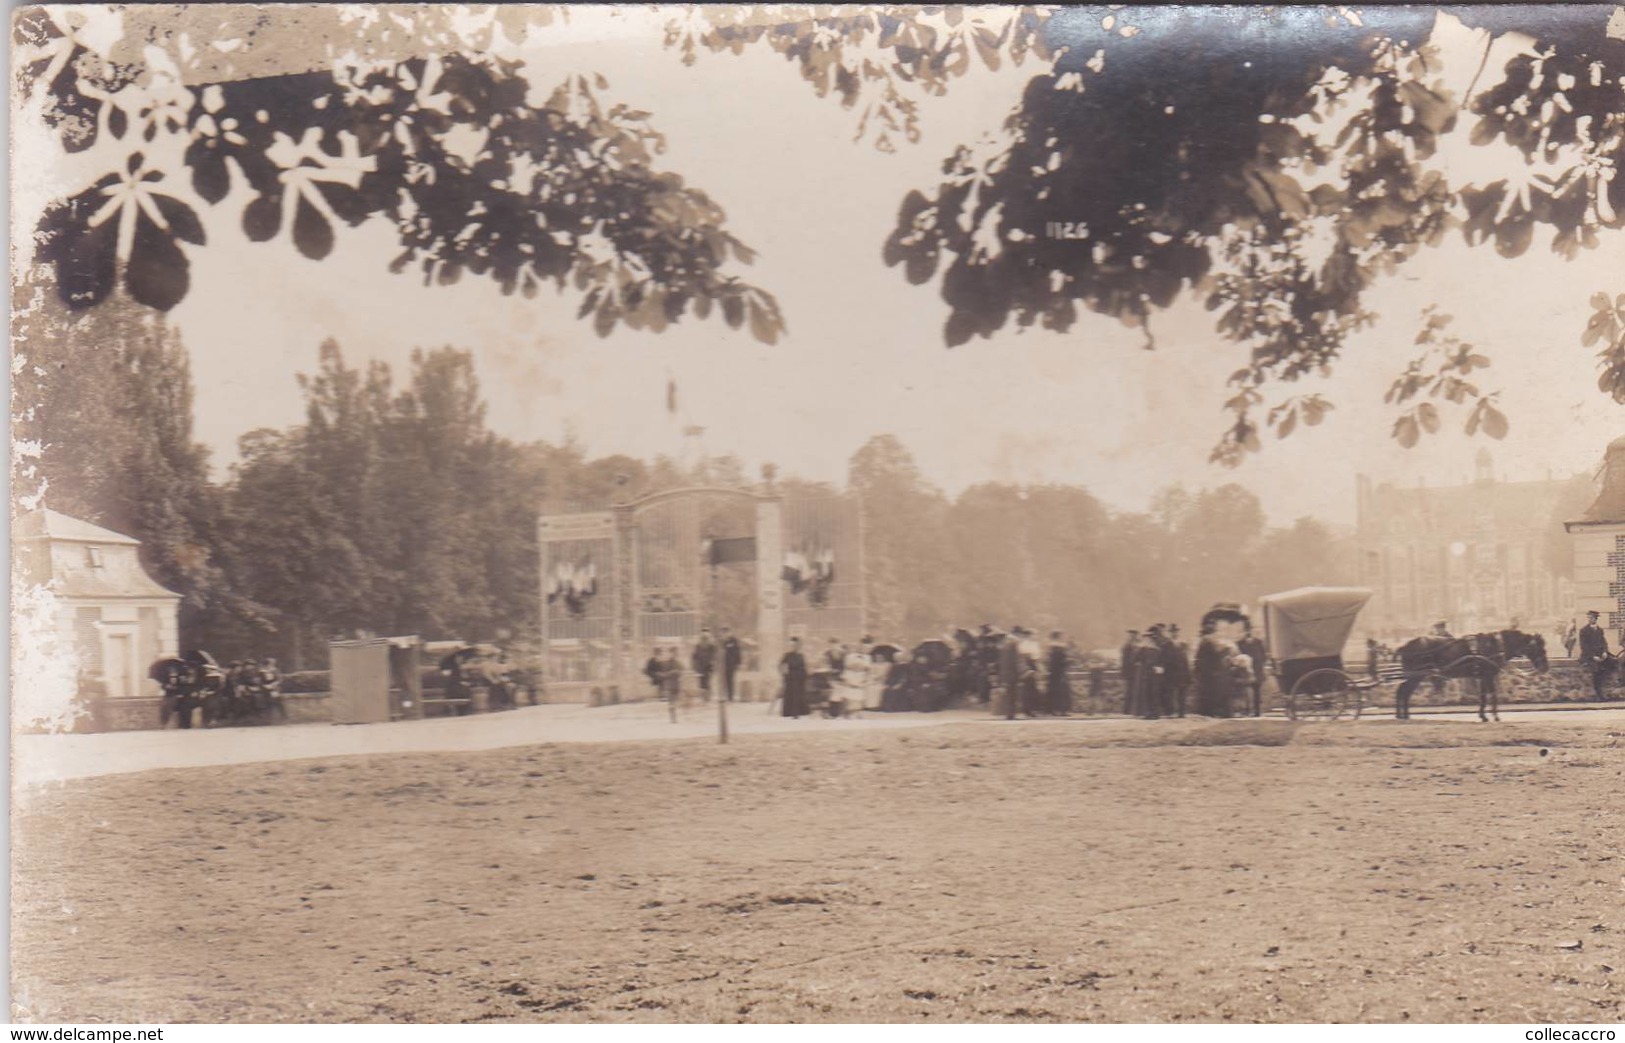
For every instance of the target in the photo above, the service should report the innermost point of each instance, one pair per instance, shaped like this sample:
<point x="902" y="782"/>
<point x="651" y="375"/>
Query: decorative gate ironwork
<point x="823" y="568"/>
<point x="618" y="583"/>
<point x="580" y="590"/>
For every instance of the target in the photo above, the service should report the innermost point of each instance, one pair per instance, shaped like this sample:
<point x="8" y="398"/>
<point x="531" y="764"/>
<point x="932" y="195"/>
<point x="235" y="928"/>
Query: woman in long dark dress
<point x="793" y="668"/>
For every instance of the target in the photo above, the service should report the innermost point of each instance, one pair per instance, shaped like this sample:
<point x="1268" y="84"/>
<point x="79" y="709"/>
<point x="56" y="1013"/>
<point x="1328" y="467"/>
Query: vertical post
<point x="862" y="569"/>
<point x="626" y="596"/>
<point x="722" y="695"/>
<point x="769" y="587"/>
<point x="543" y="643"/>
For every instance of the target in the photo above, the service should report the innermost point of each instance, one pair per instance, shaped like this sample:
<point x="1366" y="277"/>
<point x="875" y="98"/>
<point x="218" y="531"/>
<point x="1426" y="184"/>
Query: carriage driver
<point x="1594" y="652"/>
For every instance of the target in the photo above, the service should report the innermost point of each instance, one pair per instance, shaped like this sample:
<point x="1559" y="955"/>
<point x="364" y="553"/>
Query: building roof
<point x="1609" y="506"/>
<point x="1507" y="506"/>
<point x="91" y="586"/>
<point x="67" y="572"/>
<point x="46" y="524"/>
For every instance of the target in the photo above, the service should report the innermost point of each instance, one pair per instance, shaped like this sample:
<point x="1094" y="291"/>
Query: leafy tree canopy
<point x="1271" y="162"/>
<point x="422" y="123"/>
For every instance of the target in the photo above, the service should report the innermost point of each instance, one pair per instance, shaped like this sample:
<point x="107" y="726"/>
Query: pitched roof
<point x="94" y="584"/>
<point x="1508" y="506"/>
<point x="46" y="524"/>
<point x="42" y="560"/>
<point x="1609" y="506"/>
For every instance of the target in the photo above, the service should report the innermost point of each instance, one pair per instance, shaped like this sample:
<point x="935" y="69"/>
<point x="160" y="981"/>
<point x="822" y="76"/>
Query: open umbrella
<point x="199" y="658"/>
<point x="885" y="653"/>
<point x="165" y="667"/>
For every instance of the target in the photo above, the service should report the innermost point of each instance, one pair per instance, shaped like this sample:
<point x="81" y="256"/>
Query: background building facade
<point x="1476" y="555"/>
<point x="108" y="616"/>
<point x="1599" y="545"/>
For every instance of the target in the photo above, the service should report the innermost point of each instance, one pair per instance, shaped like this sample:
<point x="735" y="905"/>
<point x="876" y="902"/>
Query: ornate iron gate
<point x="823" y="569"/>
<point x="578" y="597"/>
<point x="618" y="583"/>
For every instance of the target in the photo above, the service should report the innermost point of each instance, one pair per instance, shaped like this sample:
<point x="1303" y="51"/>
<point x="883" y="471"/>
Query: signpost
<point x="716" y="552"/>
<point x="722" y="689"/>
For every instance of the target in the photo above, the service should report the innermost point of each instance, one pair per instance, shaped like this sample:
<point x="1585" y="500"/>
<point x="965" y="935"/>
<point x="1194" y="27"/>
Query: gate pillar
<point x="769" y="590"/>
<point x="626" y="598"/>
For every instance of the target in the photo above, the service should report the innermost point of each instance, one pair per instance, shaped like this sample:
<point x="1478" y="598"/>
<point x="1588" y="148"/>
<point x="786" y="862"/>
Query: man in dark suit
<point x="732" y="656"/>
<point x="1594" y="652"/>
<point x="704" y="662"/>
<point x="1177" y="656"/>
<point x="1150" y="674"/>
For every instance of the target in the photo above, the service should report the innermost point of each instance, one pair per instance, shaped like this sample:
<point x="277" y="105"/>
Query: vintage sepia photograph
<point x="799" y="513"/>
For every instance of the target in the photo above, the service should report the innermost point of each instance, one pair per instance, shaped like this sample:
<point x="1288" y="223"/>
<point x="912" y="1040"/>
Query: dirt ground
<point x="1030" y="871"/>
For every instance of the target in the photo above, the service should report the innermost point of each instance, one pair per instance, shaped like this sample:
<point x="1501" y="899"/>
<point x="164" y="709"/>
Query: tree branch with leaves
<point x="478" y="168"/>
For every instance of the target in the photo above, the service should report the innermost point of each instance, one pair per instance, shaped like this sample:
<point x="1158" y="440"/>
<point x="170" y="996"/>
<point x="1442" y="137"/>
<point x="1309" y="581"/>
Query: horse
<point x="1479" y="657"/>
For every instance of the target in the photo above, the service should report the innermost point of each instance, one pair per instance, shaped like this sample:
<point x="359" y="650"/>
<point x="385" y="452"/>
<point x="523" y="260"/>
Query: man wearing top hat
<point x="1594" y="652"/>
<point x="1253" y="648"/>
<point x="1178" y="657"/>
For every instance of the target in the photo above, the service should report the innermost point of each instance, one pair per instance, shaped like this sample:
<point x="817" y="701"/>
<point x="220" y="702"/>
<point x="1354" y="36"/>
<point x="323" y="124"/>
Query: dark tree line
<point x="391" y="509"/>
<point x="1055" y="557"/>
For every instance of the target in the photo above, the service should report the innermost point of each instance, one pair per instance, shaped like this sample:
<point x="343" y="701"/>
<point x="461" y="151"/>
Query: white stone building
<point x="1599" y="547"/>
<point x="88" y="620"/>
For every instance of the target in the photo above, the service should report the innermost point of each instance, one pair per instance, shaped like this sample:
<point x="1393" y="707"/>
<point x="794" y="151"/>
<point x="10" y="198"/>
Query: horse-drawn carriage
<point x="1305" y="631"/>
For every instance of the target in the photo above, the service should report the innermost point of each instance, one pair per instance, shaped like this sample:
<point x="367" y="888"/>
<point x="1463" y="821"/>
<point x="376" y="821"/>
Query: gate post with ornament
<point x="769" y="593"/>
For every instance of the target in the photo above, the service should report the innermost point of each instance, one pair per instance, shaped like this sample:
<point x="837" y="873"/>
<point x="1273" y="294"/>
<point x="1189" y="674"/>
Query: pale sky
<point x="865" y="354"/>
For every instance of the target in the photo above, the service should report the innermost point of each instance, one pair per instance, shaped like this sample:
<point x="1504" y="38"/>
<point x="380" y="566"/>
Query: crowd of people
<point x="1016" y="675"/>
<point x="1012" y="672"/>
<point x="241" y="690"/>
<point x="1160" y="673"/>
<point x="710" y="659"/>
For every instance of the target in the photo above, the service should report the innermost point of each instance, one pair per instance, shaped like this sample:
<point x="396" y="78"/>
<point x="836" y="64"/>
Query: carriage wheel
<point x="1323" y="695"/>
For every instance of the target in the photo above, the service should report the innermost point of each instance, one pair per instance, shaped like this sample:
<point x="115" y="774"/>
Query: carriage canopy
<point x="1311" y="622"/>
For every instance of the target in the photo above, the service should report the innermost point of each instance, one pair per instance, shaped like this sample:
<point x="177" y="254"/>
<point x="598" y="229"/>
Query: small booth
<point x="376" y="680"/>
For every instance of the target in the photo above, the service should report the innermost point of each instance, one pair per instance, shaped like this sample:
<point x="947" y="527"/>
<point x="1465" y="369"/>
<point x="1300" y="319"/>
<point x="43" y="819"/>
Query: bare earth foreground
<point x="1081" y="871"/>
